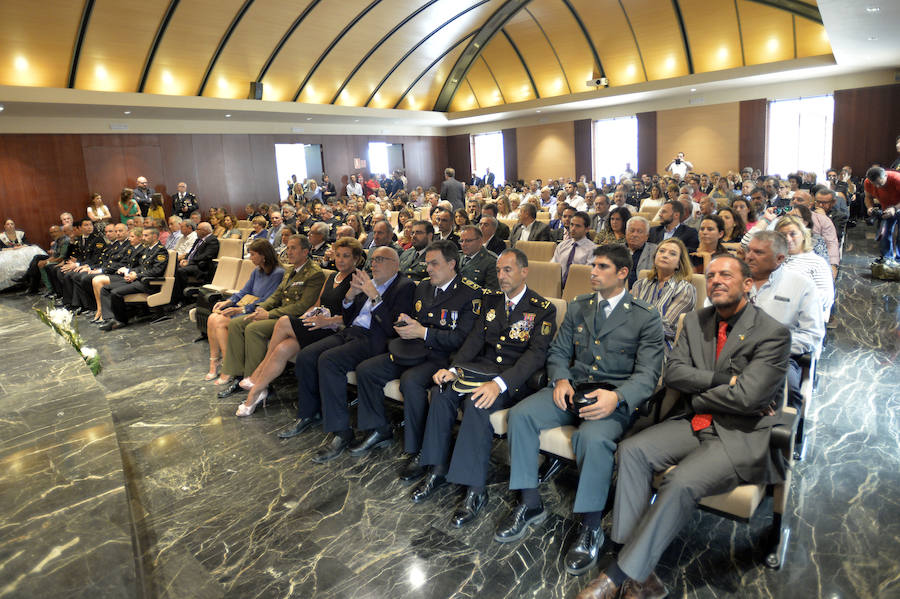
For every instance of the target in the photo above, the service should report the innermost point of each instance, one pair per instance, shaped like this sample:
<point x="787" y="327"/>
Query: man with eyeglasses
<point x="476" y="263"/>
<point x="412" y="261"/>
<point x="371" y="307"/>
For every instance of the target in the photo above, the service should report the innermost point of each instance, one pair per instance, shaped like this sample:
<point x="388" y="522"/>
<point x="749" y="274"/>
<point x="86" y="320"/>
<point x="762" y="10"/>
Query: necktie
<point x="569" y="261"/>
<point x="509" y="307"/>
<point x="701" y="421"/>
<point x="600" y="315"/>
<point x="465" y="261"/>
<point x="438" y="293"/>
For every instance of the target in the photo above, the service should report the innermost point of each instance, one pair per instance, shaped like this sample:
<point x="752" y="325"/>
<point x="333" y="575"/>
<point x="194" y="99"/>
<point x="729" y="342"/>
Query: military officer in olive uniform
<point x="445" y="309"/>
<point x="506" y="346"/>
<point x="412" y="261"/>
<point x="602" y="366"/>
<point x="248" y="336"/>
<point x="475" y="261"/>
<point x="151" y="266"/>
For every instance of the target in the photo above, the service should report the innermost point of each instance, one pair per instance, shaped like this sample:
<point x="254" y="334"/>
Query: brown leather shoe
<point x="652" y="588"/>
<point x="601" y="587"/>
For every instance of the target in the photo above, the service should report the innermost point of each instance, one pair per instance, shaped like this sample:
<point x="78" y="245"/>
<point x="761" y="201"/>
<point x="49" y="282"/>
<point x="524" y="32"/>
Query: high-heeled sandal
<point x="221" y="381"/>
<point x="246" y="384"/>
<point x="245" y="410"/>
<point x="214" y="364"/>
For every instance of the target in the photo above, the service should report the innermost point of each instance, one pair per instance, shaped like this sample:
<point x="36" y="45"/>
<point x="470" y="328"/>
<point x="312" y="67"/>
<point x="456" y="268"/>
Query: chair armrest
<point x="805" y="360"/>
<point x="783" y="432"/>
<point x="538" y="380"/>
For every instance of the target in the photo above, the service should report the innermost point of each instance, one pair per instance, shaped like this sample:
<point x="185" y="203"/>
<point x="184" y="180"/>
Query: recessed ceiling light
<point x="873" y="38"/>
<point x="309" y="118"/>
<point x="873" y="9"/>
<point x="355" y="120"/>
<point x="227" y="116"/>
<point x="127" y="112"/>
<point x="2" y="107"/>
<point x="693" y="89"/>
<point x="537" y="110"/>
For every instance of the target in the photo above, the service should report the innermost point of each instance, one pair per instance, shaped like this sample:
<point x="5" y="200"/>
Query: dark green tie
<point x="600" y="316"/>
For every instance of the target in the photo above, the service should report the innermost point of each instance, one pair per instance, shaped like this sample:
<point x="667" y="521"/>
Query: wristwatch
<point x="376" y="299"/>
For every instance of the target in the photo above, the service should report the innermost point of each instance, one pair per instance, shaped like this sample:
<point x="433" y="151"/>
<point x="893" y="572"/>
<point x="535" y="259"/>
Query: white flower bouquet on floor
<point x="64" y="323"/>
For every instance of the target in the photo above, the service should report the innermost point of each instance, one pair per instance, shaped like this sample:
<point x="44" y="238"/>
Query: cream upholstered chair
<point x="578" y="282"/>
<point x="226" y="273"/>
<point x="166" y="288"/>
<point x="541" y="251"/>
<point x="545" y="278"/>
<point x="242" y="276"/>
<point x="231" y="248"/>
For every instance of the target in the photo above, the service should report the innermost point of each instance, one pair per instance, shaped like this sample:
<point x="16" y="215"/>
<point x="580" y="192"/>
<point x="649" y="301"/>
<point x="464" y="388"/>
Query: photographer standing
<point x="884" y="186"/>
<point x="679" y="166"/>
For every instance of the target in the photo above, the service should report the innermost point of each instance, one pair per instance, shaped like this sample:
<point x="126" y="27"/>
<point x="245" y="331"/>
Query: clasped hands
<point x="360" y="282"/>
<point x="226" y="309"/>
<point x="606" y="403"/>
<point x="483" y="397"/>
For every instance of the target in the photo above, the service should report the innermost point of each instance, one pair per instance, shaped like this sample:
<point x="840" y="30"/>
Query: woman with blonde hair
<point x="801" y="258"/>
<point x="97" y="210"/>
<point x="668" y="287"/>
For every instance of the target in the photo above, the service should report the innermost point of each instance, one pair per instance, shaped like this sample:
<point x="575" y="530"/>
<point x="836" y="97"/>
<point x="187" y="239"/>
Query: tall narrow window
<point x="385" y="158"/>
<point x="487" y="153"/>
<point x="290" y="164"/>
<point x="615" y="147"/>
<point x="800" y="136"/>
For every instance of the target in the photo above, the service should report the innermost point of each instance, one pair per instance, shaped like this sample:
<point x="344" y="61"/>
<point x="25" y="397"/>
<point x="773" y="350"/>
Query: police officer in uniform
<point x="506" y="346"/>
<point x="184" y="202"/>
<point x="248" y="336"/>
<point x="475" y="261"/>
<point x="152" y="265"/>
<point x="110" y="260"/>
<point x="86" y="252"/>
<point x="602" y="366"/>
<point x="412" y="261"/>
<point x="445" y="309"/>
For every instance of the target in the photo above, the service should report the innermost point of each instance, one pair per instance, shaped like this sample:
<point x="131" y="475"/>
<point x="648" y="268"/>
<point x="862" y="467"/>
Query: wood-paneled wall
<point x="546" y="151"/>
<point x="44" y="175"/>
<point x="510" y="155"/>
<point x="753" y="133"/>
<point x="584" y="148"/>
<point x="459" y="156"/>
<point x="646" y="142"/>
<point x="866" y="125"/>
<point x="708" y="136"/>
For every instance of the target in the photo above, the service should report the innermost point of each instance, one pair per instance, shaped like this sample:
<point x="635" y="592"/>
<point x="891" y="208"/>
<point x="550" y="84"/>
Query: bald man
<point x="198" y="265"/>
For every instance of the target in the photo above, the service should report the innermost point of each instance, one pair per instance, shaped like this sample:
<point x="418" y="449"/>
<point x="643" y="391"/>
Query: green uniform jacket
<point x="297" y="292"/>
<point x="481" y="268"/>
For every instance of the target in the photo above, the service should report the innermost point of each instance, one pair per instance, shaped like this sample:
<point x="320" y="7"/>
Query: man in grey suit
<point x="610" y="351"/>
<point x="637" y="230"/>
<point x="529" y="229"/>
<point x="452" y="190"/>
<point x="729" y="364"/>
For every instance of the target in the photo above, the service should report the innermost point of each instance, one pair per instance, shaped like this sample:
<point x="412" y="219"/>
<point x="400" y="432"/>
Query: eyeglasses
<point x="380" y="259"/>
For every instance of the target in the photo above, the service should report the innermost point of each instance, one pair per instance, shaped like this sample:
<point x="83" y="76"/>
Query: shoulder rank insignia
<point x="471" y="283"/>
<point x="545" y="328"/>
<point x="542" y="303"/>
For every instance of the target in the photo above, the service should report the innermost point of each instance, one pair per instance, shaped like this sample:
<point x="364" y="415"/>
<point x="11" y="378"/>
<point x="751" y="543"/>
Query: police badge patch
<point x="545" y="328"/>
<point x="418" y="305"/>
<point x="476" y="306"/>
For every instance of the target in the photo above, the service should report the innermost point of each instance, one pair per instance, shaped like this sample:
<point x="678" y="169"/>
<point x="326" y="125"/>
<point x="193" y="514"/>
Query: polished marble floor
<point x="223" y="508"/>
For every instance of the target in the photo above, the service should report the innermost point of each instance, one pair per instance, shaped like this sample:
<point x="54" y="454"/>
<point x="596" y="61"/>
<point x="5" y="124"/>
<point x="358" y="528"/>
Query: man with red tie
<point x="729" y="365"/>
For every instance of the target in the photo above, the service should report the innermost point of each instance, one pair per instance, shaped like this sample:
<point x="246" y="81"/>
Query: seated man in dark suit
<point x="502" y="231"/>
<point x="610" y="351"/>
<point x="446" y="307"/>
<point x="490" y="234"/>
<point x="371" y="307"/>
<point x="528" y="228"/>
<point x="637" y="230"/>
<point x="671" y="215"/>
<point x="506" y="346"/>
<point x="151" y="266"/>
<point x="729" y="364"/>
<point x="198" y="265"/>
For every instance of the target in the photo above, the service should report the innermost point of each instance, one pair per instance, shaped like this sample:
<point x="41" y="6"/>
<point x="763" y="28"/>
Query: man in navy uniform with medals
<point x="490" y="372"/>
<point x="602" y="366"/>
<point x="445" y="308"/>
<point x="151" y="266"/>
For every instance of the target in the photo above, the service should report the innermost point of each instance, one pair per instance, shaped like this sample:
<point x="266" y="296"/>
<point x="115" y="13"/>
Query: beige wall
<point x="708" y="136"/>
<point x="546" y="151"/>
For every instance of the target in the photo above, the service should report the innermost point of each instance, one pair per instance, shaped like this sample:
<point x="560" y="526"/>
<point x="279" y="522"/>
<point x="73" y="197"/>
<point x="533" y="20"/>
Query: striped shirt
<point x="816" y="268"/>
<point x="672" y="299"/>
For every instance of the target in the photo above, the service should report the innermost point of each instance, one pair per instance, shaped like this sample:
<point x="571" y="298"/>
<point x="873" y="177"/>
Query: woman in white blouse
<point x="97" y="210"/>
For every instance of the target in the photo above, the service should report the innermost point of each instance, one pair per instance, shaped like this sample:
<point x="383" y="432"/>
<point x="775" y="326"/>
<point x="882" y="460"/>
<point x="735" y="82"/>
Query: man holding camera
<point x="602" y="366"/>
<point x="679" y="166"/>
<point x="884" y="186"/>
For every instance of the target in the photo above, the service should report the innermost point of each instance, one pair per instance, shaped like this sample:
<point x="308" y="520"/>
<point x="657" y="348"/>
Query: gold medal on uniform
<point x="418" y="305"/>
<point x="491" y="315"/>
<point x="454" y="315"/>
<point x="443" y="318"/>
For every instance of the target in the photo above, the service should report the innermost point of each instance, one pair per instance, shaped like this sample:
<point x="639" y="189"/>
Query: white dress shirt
<point x="792" y="299"/>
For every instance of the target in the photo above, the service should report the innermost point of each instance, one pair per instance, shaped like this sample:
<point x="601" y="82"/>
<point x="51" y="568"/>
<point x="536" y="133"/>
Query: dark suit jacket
<point x="502" y="231"/>
<point x="205" y="251"/>
<point x="489" y="179"/>
<point x="397" y="299"/>
<point x="496" y="244"/>
<point x="448" y="318"/>
<point x="757" y="351"/>
<point x="683" y="232"/>
<point x="454" y="192"/>
<point x="539" y="232"/>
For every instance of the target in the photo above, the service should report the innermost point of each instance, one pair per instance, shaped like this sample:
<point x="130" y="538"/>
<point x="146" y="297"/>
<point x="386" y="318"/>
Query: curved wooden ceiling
<point x="412" y="54"/>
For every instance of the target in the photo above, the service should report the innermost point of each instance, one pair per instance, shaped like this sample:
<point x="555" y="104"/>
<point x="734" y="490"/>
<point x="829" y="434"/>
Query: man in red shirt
<point x="884" y="186"/>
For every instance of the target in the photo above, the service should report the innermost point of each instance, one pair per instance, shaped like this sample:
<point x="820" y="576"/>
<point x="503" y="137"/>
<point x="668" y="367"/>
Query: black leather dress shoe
<point x="469" y="509"/>
<point x="582" y="555"/>
<point x="111" y="325"/>
<point x="413" y="470"/>
<point x="233" y="387"/>
<point x="331" y="450"/>
<point x="300" y="426"/>
<point x="427" y="488"/>
<point x="375" y="440"/>
<point x="515" y="525"/>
